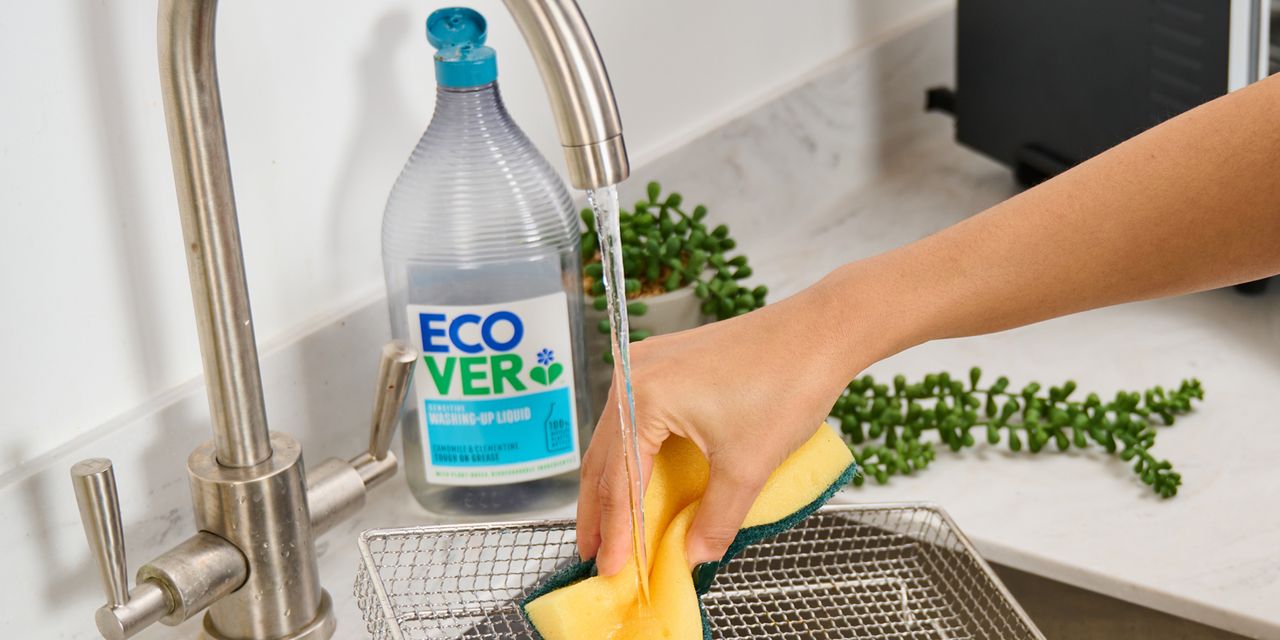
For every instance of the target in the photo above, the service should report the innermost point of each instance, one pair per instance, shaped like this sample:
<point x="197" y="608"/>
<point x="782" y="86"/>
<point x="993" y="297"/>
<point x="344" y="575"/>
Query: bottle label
<point x="495" y="391"/>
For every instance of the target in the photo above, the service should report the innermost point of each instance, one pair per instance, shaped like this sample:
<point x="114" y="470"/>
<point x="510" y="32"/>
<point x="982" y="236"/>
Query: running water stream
<point x="604" y="202"/>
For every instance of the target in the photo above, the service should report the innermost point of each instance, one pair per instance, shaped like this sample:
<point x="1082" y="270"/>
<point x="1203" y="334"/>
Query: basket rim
<point x="370" y="565"/>
<point x="385" y="532"/>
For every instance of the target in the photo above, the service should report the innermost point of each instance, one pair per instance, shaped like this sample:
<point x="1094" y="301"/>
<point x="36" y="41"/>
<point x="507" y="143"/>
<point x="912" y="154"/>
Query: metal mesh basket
<point x="874" y="571"/>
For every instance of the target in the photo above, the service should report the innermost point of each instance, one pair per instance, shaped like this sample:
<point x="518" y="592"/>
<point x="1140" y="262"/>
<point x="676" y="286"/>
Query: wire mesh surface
<point x="874" y="571"/>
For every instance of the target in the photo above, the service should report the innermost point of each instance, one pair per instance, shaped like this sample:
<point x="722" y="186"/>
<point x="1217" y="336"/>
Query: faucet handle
<point x="95" y="485"/>
<point x="337" y="488"/>
<point x="395" y="374"/>
<point x="126" y="612"/>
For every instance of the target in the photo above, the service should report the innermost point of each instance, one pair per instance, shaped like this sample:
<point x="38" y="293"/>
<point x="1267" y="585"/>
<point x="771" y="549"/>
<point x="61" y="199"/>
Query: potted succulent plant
<point x="680" y="274"/>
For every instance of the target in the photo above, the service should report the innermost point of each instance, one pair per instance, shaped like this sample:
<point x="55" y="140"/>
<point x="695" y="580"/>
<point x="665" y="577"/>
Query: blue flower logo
<point x="548" y="370"/>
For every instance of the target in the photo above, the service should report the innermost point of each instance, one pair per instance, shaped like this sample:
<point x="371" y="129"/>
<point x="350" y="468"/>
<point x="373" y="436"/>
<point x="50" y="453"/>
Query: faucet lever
<point x="95" y="485"/>
<point x="395" y="374"/>
<point x="337" y="488"/>
<point x="126" y="612"/>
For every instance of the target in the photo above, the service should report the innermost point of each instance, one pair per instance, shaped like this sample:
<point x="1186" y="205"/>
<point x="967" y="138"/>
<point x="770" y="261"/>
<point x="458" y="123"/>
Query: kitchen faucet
<point x="252" y="563"/>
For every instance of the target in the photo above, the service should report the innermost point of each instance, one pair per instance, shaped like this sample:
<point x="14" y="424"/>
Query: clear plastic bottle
<point x="481" y="253"/>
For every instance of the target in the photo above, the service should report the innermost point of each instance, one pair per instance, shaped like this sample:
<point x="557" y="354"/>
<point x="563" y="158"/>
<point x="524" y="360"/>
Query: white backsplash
<point x="777" y="168"/>
<point x="771" y="173"/>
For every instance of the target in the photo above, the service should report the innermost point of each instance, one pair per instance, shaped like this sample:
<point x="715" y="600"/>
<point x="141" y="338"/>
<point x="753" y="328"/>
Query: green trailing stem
<point x="893" y="429"/>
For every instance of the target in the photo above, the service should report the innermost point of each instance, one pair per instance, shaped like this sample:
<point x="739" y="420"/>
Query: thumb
<point x="731" y="490"/>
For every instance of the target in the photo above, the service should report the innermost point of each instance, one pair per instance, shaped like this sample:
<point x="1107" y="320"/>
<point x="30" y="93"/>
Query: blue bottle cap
<point x="462" y="60"/>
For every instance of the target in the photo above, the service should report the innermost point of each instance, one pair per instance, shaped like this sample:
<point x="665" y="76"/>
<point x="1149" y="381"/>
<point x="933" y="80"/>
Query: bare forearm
<point x="1189" y="205"/>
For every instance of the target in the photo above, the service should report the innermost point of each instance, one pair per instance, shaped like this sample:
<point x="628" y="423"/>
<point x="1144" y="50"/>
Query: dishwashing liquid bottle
<point x="483" y="268"/>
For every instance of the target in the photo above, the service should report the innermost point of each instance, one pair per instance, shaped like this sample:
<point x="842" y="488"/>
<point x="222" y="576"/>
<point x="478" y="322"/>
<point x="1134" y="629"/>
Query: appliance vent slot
<point x="1177" y="42"/>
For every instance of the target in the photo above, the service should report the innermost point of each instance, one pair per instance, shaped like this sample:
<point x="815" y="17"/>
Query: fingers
<point x="731" y="490"/>
<point x="614" y="504"/>
<point x="604" y="499"/>
<point x="588" y="509"/>
<point x="594" y="463"/>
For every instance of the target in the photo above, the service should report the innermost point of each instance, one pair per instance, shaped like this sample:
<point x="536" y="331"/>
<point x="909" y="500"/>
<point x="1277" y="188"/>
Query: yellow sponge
<point x="573" y="606"/>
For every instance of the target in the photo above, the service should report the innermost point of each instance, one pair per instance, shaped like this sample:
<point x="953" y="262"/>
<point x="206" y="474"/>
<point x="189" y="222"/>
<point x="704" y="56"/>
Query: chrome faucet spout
<point x="206" y="202"/>
<point x="577" y="84"/>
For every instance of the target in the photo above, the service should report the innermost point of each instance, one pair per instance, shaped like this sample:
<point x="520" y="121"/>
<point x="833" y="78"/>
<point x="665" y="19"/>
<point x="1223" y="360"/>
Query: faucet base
<point x="322" y="628"/>
<point x="262" y="510"/>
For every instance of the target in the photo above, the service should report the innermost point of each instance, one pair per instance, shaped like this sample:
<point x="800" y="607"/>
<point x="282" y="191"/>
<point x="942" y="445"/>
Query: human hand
<point x="747" y="391"/>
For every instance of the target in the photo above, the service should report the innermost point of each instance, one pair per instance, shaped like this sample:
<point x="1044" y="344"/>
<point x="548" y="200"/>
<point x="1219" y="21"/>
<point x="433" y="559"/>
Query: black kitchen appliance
<point x="1042" y="85"/>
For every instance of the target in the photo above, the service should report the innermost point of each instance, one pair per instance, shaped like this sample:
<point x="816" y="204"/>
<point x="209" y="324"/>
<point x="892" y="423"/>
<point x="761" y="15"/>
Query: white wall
<point x="323" y="101"/>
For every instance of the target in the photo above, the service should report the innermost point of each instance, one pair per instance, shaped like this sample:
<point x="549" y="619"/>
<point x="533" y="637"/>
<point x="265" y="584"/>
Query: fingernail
<point x="703" y="575"/>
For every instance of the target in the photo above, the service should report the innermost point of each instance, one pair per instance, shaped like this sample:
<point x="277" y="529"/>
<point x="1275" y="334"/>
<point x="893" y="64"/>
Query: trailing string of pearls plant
<point x="888" y="427"/>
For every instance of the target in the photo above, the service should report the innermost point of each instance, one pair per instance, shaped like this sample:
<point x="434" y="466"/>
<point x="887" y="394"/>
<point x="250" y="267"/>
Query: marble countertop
<point x="1210" y="554"/>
